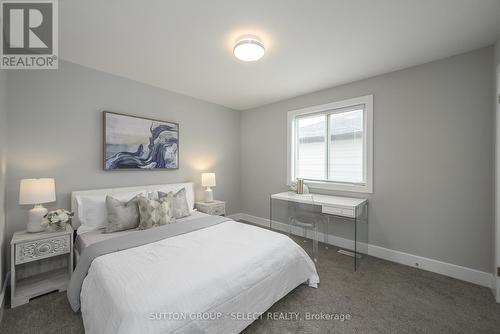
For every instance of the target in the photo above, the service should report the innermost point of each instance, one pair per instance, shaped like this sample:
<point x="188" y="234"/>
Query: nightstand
<point x="215" y="208"/>
<point x="27" y="247"/>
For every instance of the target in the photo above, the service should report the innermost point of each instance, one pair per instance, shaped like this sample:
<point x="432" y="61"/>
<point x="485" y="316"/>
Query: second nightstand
<point x="215" y="208"/>
<point x="28" y="247"/>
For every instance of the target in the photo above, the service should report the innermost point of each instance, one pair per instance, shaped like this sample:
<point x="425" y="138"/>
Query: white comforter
<point x="227" y="272"/>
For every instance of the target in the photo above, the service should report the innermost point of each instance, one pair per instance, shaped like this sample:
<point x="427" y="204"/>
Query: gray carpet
<point x="382" y="297"/>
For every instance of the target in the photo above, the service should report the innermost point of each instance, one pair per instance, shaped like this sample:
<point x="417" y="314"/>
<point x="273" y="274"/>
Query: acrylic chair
<point x="306" y="217"/>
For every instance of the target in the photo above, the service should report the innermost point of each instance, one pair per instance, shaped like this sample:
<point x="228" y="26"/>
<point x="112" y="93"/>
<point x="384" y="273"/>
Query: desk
<point x="351" y="209"/>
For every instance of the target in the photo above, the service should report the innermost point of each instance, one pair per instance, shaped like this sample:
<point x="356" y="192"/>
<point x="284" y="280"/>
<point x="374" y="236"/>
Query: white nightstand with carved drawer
<point x="214" y="208"/>
<point x="28" y="247"/>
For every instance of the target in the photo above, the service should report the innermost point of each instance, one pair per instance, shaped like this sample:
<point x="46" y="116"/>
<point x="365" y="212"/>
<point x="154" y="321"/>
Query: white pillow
<point x="92" y="212"/>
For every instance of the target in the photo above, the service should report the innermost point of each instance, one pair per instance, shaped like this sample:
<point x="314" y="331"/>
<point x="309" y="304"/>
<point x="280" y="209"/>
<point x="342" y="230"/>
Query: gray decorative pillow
<point x="121" y="215"/>
<point x="181" y="206"/>
<point x="154" y="212"/>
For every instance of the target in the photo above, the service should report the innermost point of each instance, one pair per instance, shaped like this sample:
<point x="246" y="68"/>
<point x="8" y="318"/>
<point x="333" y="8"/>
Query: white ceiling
<point x="186" y="46"/>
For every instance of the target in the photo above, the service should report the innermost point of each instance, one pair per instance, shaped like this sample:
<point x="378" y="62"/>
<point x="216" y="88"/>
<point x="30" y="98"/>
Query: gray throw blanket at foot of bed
<point x="129" y="241"/>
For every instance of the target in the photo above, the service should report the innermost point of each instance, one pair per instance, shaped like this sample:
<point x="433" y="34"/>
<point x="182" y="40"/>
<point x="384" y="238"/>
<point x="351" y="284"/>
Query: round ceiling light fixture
<point x="248" y="48"/>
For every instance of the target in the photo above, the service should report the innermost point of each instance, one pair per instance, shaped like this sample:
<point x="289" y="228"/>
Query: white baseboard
<point x="452" y="270"/>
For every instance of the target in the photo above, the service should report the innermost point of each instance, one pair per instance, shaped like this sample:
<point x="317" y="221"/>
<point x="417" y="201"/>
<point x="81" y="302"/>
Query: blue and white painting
<point x="139" y="143"/>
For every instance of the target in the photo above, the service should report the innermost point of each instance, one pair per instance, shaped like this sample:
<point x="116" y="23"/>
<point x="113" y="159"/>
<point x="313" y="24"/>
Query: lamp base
<point x="35" y="219"/>
<point x="209" y="195"/>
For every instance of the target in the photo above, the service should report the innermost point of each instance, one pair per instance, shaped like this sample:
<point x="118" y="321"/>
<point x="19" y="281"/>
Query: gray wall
<point x="55" y="130"/>
<point x="3" y="147"/>
<point x="496" y="249"/>
<point x="433" y="157"/>
<point x="497" y="52"/>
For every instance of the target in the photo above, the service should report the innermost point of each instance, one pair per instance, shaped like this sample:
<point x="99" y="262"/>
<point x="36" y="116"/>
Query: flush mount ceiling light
<point x="248" y="48"/>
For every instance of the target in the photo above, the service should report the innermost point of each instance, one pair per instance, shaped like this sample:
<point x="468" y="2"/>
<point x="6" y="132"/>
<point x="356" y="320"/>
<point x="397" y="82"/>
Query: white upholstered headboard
<point x="113" y="191"/>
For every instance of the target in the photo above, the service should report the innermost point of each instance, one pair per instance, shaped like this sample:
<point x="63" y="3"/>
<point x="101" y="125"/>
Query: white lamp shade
<point x="208" y="180"/>
<point x="37" y="191"/>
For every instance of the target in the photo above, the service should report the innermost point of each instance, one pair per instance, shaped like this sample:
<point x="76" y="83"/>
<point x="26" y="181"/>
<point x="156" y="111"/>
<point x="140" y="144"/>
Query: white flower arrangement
<point x="57" y="218"/>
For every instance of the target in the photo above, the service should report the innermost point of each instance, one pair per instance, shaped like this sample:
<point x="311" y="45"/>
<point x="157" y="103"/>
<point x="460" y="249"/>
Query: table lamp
<point x="208" y="180"/>
<point x="36" y="191"/>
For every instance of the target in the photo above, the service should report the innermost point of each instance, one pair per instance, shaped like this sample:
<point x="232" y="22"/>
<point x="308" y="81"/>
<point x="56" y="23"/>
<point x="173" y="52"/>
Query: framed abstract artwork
<point x="132" y="142"/>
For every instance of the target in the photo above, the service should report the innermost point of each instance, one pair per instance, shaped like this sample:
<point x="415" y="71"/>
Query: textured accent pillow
<point x="121" y="215"/>
<point x="181" y="206"/>
<point x="154" y="212"/>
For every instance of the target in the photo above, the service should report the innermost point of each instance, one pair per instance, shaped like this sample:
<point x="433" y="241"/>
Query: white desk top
<point x="324" y="200"/>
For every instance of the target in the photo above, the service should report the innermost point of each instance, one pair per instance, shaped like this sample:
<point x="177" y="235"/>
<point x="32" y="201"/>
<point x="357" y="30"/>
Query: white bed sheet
<point x="228" y="270"/>
<point x="87" y="238"/>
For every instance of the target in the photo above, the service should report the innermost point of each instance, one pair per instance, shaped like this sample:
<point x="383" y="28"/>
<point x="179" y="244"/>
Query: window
<point x="330" y="146"/>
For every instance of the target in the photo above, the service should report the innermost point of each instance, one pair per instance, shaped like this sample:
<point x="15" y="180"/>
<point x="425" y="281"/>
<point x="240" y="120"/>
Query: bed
<point x="202" y="274"/>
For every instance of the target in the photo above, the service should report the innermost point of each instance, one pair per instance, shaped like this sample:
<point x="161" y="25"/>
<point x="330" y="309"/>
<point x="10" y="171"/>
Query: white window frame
<point x="366" y="187"/>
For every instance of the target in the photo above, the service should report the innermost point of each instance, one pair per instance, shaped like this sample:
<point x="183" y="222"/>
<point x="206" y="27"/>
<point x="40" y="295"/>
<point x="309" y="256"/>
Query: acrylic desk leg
<point x="289" y="229"/>
<point x="270" y="213"/>
<point x="356" y="239"/>
<point x="315" y="243"/>
<point x="327" y="224"/>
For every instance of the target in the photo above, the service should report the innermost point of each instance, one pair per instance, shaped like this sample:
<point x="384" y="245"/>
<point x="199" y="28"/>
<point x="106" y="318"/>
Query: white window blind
<point x="346" y="147"/>
<point x="311" y="141"/>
